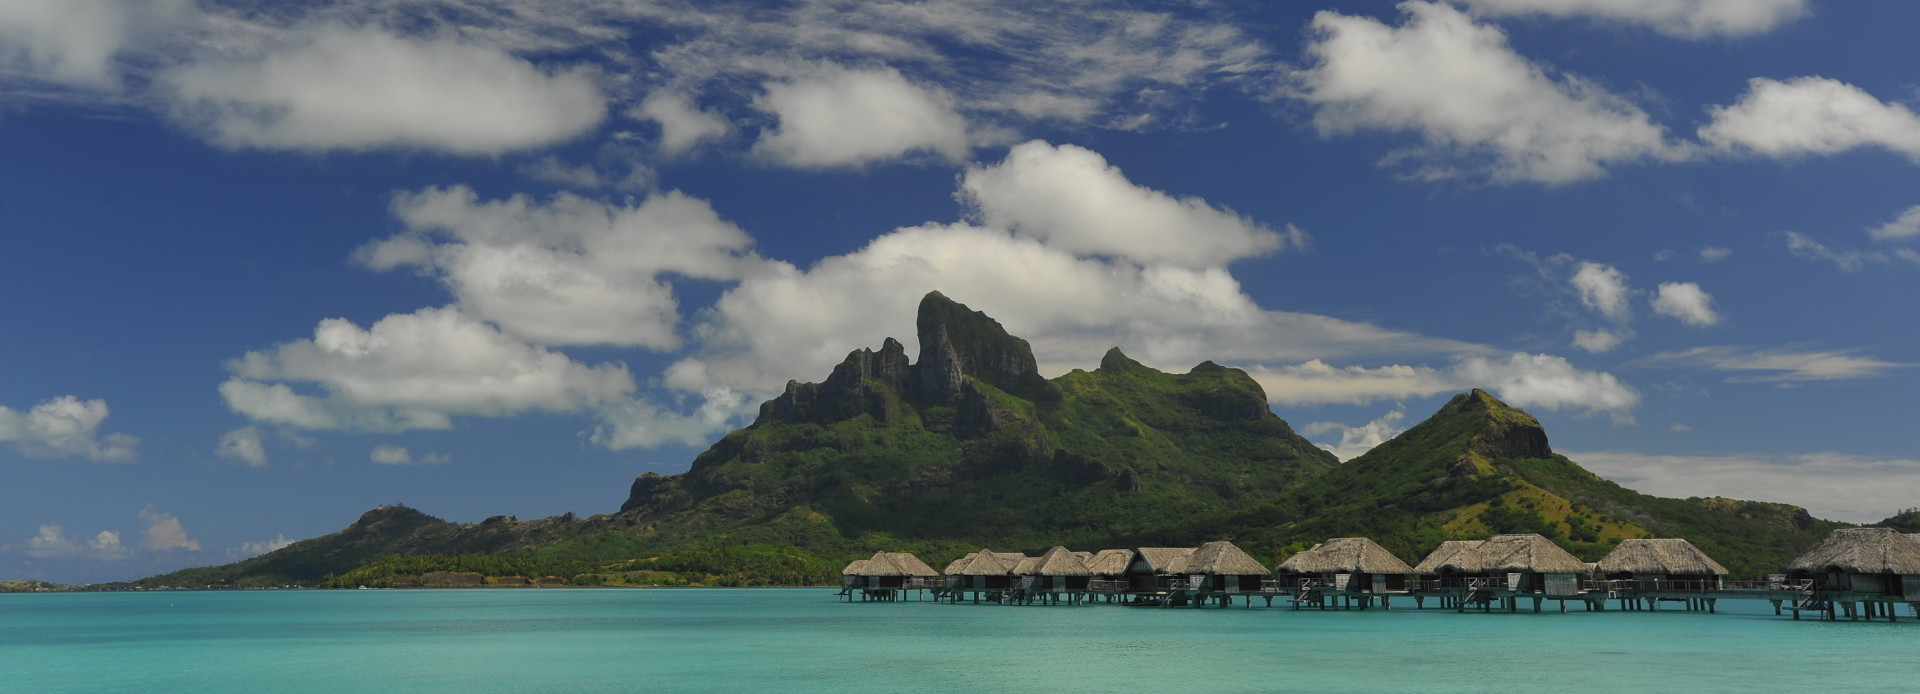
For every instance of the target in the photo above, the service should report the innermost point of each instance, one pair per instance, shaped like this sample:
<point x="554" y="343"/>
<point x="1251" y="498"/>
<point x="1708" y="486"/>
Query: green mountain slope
<point x="967" y="446"/>
<point x="1479" y="467"/>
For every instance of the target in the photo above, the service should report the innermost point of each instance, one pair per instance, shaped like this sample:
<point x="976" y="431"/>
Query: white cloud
<point x="1072" y="199"/>
<point x="1811" y="115"/>
<point x="1355" y="441"/>
<point x="65" y="427"/>
<point x="841" y="117"/>
<point x="413" y="371"/>
<point x="1549" y="382"/>
<point x="341" y="87"/>
<point x="1785" y="366"/>
<point x="164" y="532"/>
<point x="1603" y="288"/>
<point x="243" y="444"/>
<point x="254" y="548"/>
<point x="52" y="542"/>
<point x="683" y="126"/>
<point x="1710" y="254"/>
<point x="1474" y="102"/>
<point x="1906" y="226"/>
<point x="1522" y="380"/>
<point x="1687" y="302"/>
<point x="1853" y="488"/>
<point x="66" y="41"/>
<point x="788" y="321"/>
<point x="1847" y="260"/>
<point x="1599" y="341"/>
<point x="1692" y="19"/>
<point x="389" y="454"/>
<point x="1316" y="382"/>
<point x="568" y="271"/>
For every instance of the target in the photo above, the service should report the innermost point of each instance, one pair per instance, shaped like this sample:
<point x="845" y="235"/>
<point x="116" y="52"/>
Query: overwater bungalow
<point x="985" y="573"/>
<point x="887" y="576"/>
<point x="1341" y="569"/>
<point x="1221" y="569"/>
<point x="1109" y="571"/>
<point x="1865" y="571"/>
<point x="1667" y="560"/>
<point x="1648" y="571"/>
<point x="1157" y="568"/>
<point x="1503" y="568"/>
<point x="1054" y="575"/>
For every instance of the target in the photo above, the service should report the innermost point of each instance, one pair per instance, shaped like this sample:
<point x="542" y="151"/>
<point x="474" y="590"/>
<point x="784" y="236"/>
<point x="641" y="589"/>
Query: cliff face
<point x="970" y="436"/>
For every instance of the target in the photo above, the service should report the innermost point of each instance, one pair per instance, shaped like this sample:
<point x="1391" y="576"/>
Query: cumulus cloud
<point x="347" y="87"/>
<point x="1687" y="302"/>
<point x="65" y="427"/>
<point x="1691" y="19"/>
<point x="413" y="371"/>
<point x="1522" y="380"/>
<point x="1603" y="288"/>
<point x="569" y="270"/>
<point x="52" y="542"/>
<point x="1550" y="382"/>
<point x="1355" y="441"/>
<point x="1599" y="341"/>
<point x="1905" y="226"/>
<point x="164" y="532"/>
<point x="65" y="41"/>
<point x="840" y="117"/>
<point x="389" y="454"/>
<point x="1810" y="115"/>
<point x="791" y="321"/>
<point x="254" y="548"/>
<point x="1477" y="105"/>
<point x="683" y="125"/>
<point x="1784" y="366"/>
<point x="243" y="444"/>
<point x="1857" y="489"/>
<point x="1072" y="199"/>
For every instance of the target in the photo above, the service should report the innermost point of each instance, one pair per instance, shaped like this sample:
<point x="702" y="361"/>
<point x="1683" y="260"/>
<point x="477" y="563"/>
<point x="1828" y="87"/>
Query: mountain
<point x="1479" y="467"/>
<point x="968" y="446"/>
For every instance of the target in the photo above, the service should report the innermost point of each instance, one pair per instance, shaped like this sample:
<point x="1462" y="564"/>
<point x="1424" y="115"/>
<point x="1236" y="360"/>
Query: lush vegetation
<point x="1123" y="456"/>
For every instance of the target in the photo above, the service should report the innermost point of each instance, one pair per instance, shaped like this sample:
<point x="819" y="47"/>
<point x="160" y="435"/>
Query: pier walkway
<point x="1462" y="594"/>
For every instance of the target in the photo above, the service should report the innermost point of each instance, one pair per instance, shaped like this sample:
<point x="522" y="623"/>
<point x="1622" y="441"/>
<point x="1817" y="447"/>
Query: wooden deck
<point x="1461" y="595"/>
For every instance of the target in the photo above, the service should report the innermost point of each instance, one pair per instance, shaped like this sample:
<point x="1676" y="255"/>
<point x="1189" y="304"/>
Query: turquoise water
<point x="723" y="640"/>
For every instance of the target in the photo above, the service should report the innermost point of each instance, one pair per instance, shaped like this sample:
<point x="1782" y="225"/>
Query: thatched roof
<point x="1110" y="562"/>
<point x="1223" y="558"/>
<point x="1660" y="557"/>
<point x="953" y="567"/>
<point x="1861" y="551"/>
<point x="984" y="563"/>
<point x="1355" y="555"/>
<point x="1060" y="562"/>
<point x="1501" y="553"/>
<point x="1166" y="560"/>
<point x="1444" y="555"/>
<point x="892" y="564"/>
<point x="856" y="567"/>
<point x="1024" y="567"/>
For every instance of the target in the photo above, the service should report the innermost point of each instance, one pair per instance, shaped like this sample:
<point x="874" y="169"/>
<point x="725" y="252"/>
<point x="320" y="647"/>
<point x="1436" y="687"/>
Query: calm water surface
<point x="803" y="640"/>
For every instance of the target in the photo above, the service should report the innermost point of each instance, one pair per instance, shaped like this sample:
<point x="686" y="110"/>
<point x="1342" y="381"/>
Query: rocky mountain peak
<point x="1502" y="430"/>
<point x="957" y="342"/>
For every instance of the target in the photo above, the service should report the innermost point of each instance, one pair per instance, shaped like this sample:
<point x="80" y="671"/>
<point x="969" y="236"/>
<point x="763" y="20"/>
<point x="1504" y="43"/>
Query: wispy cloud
<point x="1784" y="365"/>
<point x="1853" y="488"/>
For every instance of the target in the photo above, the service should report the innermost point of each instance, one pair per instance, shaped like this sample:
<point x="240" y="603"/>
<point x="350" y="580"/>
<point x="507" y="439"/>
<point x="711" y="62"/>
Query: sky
<point x="265" y="266"/>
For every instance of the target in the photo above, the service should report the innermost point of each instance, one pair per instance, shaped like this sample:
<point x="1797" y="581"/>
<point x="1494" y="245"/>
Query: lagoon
<point x="802" y="639"/>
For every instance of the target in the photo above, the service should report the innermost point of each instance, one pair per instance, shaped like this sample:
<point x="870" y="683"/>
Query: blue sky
<point x="266" y="266"/>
